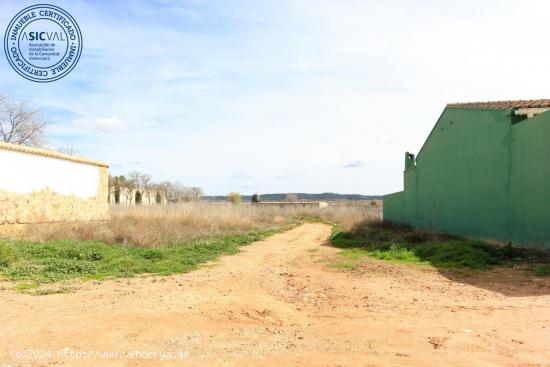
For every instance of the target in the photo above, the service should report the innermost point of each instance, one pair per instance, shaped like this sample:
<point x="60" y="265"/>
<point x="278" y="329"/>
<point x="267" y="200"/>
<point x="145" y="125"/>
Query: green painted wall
<point x="480" y="174"/>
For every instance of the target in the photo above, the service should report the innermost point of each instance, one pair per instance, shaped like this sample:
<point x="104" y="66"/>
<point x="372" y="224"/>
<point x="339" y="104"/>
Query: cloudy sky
<point x="276" y="95"/>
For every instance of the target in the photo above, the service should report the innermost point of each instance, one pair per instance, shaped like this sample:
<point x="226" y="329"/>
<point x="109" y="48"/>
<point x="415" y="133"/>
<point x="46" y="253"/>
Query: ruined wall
<point x="127" y="196"/>
<point x="41" y="186"/>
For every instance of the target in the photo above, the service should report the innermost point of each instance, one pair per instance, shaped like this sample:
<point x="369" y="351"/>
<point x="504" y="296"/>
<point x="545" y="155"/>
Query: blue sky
<point x="280" y="96"/>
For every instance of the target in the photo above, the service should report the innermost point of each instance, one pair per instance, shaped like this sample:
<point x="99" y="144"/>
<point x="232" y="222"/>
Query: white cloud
<point x="358" y="163"/>
<point x="243" y="91"/>
<point x="99" y="124"/>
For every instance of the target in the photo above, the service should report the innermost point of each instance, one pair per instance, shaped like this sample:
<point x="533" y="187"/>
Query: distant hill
<point x="327" y="196"/>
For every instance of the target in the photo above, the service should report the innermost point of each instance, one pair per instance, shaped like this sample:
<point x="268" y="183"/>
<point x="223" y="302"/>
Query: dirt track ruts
<point x="278" y="303"/>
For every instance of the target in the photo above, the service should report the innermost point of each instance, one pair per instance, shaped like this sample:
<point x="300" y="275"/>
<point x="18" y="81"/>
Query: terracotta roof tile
<point x="503" y="105"/>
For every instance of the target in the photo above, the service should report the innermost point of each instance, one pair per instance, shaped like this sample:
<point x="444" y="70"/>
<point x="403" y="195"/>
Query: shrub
<point x="152" y="254"/>
<point x="234" y="197"/>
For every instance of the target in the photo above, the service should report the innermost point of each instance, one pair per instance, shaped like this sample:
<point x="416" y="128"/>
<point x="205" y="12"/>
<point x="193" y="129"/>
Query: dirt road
<point x="279" y="303"/>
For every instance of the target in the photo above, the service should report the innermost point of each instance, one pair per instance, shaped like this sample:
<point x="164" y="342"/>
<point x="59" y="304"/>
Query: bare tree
<point x="182" y="192"/>
<point x="160" y="192"/>
<point x="146" y="183"/>
<point x="169" y="191"/>
<point x="143" y="183"/>
<point x="21" y="124"/>
<point x="195" y="193"/>
<point x="177" y="192"/>
<point x="128" y="187"/>
<point x="134" y="178"/>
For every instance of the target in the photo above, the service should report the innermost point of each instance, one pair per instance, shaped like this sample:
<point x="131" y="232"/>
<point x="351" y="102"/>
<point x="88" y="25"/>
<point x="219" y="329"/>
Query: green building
<point x="483" y="172"/>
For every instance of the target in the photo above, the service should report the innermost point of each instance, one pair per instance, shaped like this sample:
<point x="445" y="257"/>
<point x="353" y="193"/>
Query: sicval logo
<point x="43" y="36"/>
<point x="43" y="43"/>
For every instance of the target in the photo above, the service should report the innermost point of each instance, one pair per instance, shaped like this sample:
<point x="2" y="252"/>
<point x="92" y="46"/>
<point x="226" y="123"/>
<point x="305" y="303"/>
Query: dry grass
<point x="347" y="214"/>
<point x="158" y="225"/>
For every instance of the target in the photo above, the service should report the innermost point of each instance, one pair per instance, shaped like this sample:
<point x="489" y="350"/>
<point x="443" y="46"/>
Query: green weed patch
<point x="404" y="244"/>
<point x="52" y="261"/>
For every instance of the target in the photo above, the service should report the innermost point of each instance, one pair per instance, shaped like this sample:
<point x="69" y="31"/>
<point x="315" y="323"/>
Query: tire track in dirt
<point x="278" y="302"/>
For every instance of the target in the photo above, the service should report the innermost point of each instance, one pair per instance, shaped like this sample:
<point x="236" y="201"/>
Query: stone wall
<point x="42" y="186"/>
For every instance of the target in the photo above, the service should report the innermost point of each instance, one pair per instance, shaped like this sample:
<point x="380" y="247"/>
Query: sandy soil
<point x="279" y="303"/>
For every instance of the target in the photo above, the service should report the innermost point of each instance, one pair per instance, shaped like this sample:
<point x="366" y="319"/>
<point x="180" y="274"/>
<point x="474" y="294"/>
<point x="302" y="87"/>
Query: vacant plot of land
<point x="173" y="224"/>
<point x="282" y="301"/>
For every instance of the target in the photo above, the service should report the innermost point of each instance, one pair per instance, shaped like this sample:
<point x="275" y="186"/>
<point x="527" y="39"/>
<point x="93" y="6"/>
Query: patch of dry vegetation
<point x="157" y="239"/>
<point x="158" y="225"/>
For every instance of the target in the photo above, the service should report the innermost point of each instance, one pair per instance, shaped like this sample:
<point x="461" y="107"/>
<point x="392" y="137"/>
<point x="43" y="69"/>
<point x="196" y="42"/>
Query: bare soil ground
<point x="279" y="303"/>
